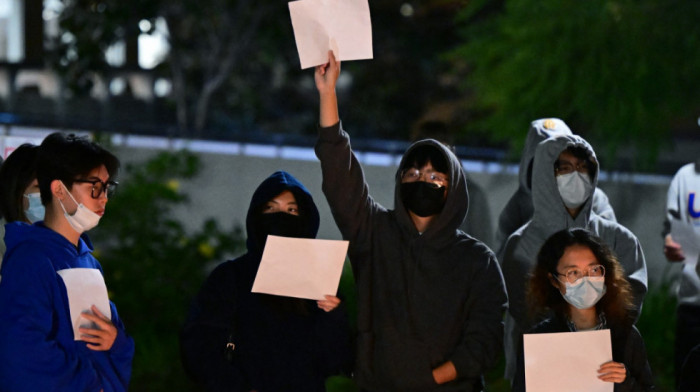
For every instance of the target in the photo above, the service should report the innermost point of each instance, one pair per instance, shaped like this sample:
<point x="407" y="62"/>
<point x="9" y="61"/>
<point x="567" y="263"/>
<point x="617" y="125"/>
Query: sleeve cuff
<point x="330" y="134"/>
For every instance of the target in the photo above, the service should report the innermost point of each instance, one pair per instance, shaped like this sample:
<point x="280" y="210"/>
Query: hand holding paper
<point x="331" y="302"/>
<point x="86" y="290"/>
<point x="300" y="267"/>
<point x="102" y="337"/>
<point x="567" y="361"/>
<point x="343" y="26"/>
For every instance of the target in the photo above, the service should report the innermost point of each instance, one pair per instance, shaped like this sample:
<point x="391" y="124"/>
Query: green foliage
<point x="657" y="324"/>
<point x="153" y="266"/>
<point x="619" y="72"/>
<point x="88" y="28"/>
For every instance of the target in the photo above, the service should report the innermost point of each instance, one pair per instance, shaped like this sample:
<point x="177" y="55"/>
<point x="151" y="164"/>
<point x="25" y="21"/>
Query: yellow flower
<point x="173" y="184"/>
<point x="206" y="250"/>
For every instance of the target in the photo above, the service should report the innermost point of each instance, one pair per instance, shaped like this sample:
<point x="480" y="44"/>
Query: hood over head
<point x="548" y="206"/>
<point x="539" y="130"/>
<point x="457" y="200"/>
<point x="275" y="184"/>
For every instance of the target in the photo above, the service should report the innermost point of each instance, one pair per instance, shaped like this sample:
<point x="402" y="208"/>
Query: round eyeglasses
<point x="433" y="177"/>
<point x="99" y="187"/>
<point x="574" y="275"/>
<point x="564" y="167"/>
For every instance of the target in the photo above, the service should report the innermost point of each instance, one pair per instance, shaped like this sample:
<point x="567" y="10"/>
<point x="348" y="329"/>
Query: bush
<point x="657" y="324"/>
<point x="153" y="266"/>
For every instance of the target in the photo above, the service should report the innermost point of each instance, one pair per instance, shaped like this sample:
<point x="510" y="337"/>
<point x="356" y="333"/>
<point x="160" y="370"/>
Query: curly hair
<point x="543" y="296"/>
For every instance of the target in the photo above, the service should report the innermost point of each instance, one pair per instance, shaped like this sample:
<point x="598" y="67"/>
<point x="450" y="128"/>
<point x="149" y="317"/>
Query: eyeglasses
<point x="573" y="275"/>
<point x="99" y="187"/>
<point x="564" y="167"/>
<point x="433" y="177"/>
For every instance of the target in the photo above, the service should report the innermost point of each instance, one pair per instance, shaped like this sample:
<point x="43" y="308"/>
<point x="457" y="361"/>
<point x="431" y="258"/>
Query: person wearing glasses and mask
<point x="564" y="176"/>
<point x="235" y="340"/>
<point x="579" y="285"/>
<point x="518" y="209"/>
<point x="430" y="297"/>
<point x="54" y="333"/>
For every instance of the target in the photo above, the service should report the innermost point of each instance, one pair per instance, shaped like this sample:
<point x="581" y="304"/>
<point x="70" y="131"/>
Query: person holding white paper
<point x="580" y="285"/>
<point x="683" y="205"/>
<point x="46" y="341"/>
<point x="236" y="340"/>
<point x="565" y="173"/>
<point x="430" y="297"/>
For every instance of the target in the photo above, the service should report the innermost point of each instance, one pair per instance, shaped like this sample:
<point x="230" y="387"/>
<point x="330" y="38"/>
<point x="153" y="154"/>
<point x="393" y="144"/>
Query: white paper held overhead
<point x="343" y="26"/>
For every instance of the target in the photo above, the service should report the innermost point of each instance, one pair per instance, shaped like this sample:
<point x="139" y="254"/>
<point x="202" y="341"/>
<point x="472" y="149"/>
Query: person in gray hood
<point x="564" y="175"/>
<point x="518" y="209"/>
<point x="430" y="297"/>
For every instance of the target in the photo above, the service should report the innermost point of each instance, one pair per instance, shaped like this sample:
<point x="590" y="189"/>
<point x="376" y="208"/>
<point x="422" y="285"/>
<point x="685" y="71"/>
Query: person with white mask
<point x="580" y="286"/>
<point x="564" y="175"/>
<point x="518" y="209"/>
<point x="55" y="334"/>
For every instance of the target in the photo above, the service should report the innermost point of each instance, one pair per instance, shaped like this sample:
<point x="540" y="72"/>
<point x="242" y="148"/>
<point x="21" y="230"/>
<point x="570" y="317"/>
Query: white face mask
<point x="82" y="219"/>
<point x="586" y="292"/>
<point x="575" y="188"/>
<point x="35" y="212"/>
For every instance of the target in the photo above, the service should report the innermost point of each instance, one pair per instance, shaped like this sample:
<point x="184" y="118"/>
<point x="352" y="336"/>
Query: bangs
<point x="420" y="156"/>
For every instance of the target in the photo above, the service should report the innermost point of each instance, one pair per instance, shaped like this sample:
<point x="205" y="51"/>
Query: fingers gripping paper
<point x="300" y="267"/>
<point x="85" y="287"/>
<point x="343" y="26"/>
<point x="567" y="361"/>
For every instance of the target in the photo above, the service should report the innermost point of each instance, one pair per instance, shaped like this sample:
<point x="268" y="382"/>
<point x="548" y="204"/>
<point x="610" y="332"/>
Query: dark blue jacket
<point x="281" y="344"/>
<point x="37" y="347"/>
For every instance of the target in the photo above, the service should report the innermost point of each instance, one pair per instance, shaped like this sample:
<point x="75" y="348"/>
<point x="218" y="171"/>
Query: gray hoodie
<point x="423" y="298"/>
<point x="519" y="254"/>
<point x="519" y="208"/>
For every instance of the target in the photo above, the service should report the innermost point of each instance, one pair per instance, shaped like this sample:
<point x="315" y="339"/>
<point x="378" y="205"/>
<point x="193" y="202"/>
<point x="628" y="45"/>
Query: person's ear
<point x="57" y="189"/>
<point x="554" y="282"/>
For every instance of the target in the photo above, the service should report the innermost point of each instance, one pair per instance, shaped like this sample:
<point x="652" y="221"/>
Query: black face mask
<point x="280" y="224"/>
<point x="422" y="198"/>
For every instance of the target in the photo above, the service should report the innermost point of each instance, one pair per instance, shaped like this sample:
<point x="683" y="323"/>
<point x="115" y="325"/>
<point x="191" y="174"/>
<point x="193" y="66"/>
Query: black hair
<point x="582" y="154"/>
<point x="69" y="157"/>
<point x="16" y="174"/>
<point x="421" y="155"/>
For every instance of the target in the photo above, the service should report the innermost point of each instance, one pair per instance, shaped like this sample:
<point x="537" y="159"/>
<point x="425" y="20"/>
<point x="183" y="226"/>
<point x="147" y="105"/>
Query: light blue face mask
<point x="586" y="292"/>
<point x="35" y="212"/>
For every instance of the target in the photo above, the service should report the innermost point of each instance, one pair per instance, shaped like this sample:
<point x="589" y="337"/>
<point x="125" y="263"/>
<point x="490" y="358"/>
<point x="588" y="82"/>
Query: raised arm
<point x="344" y="183"/>
<point x="326" y="77"/>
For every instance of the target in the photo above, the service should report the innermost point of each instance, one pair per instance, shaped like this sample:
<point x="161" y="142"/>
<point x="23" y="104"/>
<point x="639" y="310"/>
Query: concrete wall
<point x="227" y="181"/>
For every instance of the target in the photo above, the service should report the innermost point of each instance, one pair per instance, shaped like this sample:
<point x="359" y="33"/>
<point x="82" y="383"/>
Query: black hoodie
<point x="281" y="344"/>
<point x="423" y="299"/>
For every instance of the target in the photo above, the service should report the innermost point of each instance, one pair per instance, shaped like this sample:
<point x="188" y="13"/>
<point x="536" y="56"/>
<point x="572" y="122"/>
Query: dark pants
<point x="689" y="380"/>
<point x="687" y="334"/>
<point x="478" y="386"/>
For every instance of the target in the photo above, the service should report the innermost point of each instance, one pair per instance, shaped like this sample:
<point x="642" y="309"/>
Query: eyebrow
<point x="276" y="202"/>
<point x="594" y="262"/>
